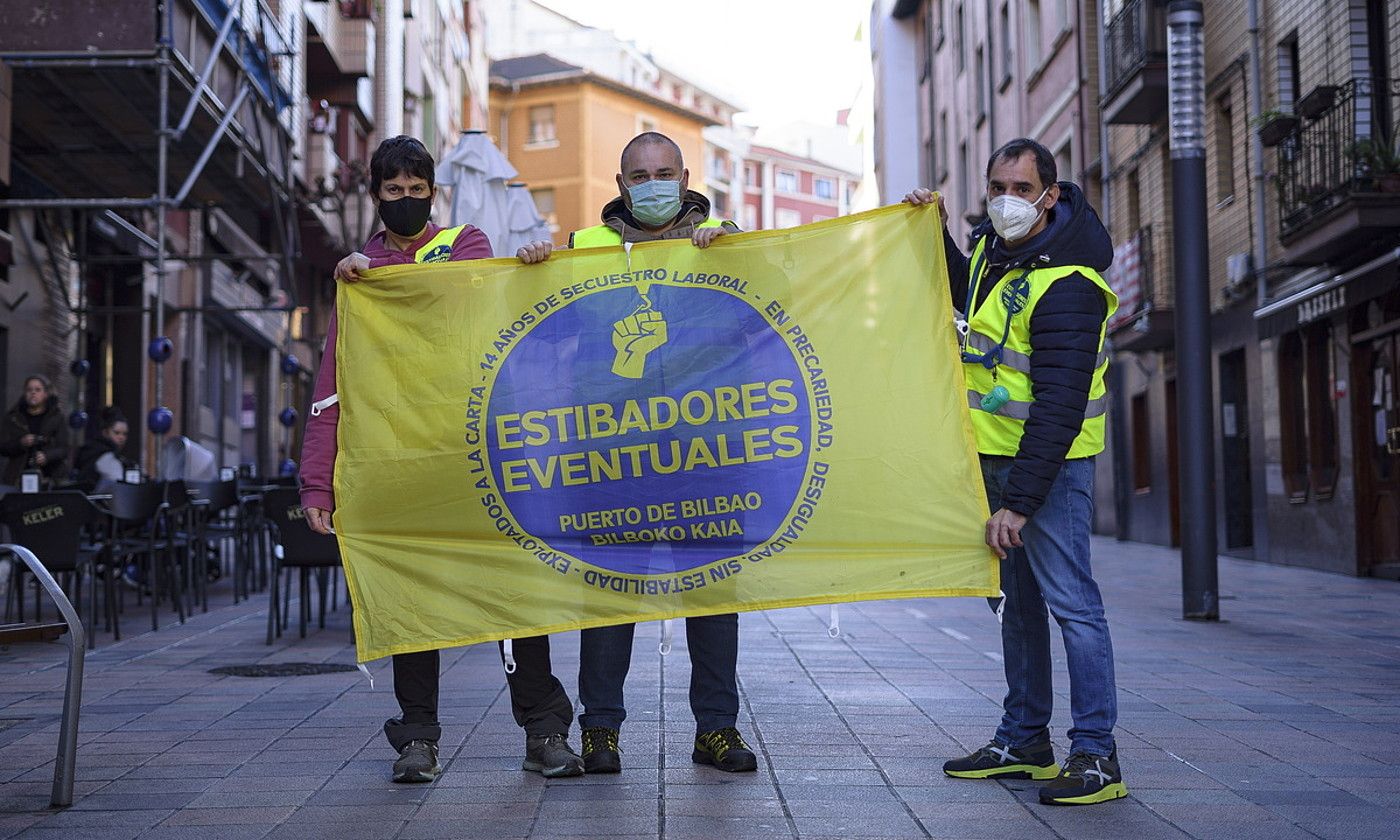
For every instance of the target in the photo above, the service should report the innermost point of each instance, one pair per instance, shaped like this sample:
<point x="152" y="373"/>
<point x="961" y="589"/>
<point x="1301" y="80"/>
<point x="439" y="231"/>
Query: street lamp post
<point x="1195" y="438"/>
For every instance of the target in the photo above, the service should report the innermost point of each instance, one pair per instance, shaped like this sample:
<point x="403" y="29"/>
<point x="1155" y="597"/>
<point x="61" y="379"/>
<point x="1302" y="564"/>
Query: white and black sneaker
<point x="551" y="757"/>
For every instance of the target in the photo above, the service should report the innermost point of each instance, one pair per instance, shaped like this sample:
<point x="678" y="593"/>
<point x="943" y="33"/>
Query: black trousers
<point x="537" y="698"/>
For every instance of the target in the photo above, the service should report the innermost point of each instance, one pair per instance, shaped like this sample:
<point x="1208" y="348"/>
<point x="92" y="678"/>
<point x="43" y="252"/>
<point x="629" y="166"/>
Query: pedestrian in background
<point x="101" y="459"/>
<point x="35" y="436"/>
<point x="1033" y="357"/>
<point x="401" y="186"/>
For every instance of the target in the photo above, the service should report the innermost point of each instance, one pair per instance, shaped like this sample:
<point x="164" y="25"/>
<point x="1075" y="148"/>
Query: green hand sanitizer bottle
<point x="995" y="399"/>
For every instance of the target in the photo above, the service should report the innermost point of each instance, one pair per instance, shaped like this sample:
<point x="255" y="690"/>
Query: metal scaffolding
<point x="85" y="144"/>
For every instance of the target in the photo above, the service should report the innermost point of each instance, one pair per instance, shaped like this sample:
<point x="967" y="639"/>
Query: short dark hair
<point x="41" y="379"/>
<point x="109" y="417"/>
<point x="648" y="138"/>
<point x="1044" y="161"/>
<point x="401" y="155"/>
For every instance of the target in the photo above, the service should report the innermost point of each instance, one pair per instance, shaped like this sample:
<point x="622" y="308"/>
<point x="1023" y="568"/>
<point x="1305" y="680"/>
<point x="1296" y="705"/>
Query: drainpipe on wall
<point x="993" y="142"/>
<point x="1118" y="409"/>
<point x="1256" y="153"/>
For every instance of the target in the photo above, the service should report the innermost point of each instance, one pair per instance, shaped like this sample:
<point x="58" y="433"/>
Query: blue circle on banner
<point x="650" y="436"/>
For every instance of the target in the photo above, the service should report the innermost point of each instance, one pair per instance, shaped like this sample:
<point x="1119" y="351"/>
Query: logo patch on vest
<point x="1016" y="295"/>
<point x="442" y="253"/>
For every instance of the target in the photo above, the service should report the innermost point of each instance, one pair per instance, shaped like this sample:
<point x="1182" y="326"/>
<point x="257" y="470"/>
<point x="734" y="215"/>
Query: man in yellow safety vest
<point x="1033" y="356"/>
<point x="654" y="203"/>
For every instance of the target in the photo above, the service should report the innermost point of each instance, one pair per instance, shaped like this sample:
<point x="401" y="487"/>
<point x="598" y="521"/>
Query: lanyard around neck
<point x="992" y="358"/>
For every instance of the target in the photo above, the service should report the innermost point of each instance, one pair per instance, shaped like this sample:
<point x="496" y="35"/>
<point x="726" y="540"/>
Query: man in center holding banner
<point x="653" y="204"/>
<point x="622" y="434"/>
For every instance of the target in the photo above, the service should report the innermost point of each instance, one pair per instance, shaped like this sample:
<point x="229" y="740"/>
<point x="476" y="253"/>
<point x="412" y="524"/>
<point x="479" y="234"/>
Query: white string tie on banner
<point x="668" y="632"/>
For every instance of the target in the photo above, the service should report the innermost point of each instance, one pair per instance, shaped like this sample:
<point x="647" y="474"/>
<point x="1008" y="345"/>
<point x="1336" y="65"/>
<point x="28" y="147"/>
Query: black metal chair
<point x="220" y="522"/>
<point x="139" y="531"/>
<point x="52" y="525"/>
<point x="251" y="567"/>
<point x="298" y="548"/>
<point x="184" y="519"/>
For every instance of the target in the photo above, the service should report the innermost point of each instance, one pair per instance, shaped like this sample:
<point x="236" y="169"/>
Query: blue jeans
<point x="1052" y="570"/>
<point x="605" y="653"/>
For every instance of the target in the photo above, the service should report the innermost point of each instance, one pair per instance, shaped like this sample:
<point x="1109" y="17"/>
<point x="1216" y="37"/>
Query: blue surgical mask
<point x="655" y="202"/>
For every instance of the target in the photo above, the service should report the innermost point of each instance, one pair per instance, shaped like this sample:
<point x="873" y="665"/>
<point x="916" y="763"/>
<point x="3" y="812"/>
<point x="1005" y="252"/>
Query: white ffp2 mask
<point x="1013" y="217"/>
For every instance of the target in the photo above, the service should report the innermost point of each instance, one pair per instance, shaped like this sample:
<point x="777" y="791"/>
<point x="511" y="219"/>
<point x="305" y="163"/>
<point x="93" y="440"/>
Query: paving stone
<point x="207" y="832"/>
<point x="257" y="815"/>
<point x="1278" y="724"/>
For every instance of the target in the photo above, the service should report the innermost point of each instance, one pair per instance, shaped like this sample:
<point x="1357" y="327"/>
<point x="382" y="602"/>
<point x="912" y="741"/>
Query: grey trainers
<point x="417" y="763"/>
<point x="551" y="757"/>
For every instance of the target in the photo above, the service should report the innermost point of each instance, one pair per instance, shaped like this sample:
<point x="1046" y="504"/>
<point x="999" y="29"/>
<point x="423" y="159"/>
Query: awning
<point x="1339" y="292"/>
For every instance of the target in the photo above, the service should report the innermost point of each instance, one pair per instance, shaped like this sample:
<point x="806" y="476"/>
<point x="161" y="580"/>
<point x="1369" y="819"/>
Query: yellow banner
<point x="614" y="436"/>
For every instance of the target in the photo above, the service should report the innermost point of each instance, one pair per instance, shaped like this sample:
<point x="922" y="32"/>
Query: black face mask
<point x="406" y="216"/>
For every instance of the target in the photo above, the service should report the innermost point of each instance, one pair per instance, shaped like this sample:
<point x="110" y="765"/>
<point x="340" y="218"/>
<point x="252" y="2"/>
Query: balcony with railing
<point x="1135" y="64"/>
<point x="340" y="39"/>
<point x="1141" y="322"/>
<point x="1339" y="173"/>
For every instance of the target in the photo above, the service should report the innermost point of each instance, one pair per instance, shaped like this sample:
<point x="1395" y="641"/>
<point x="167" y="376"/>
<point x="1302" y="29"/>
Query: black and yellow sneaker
<point x="1084" y="780"/>
<point x="724" y="749"/>
<point x="601" y="754"/>
<point x="995" y="760"/>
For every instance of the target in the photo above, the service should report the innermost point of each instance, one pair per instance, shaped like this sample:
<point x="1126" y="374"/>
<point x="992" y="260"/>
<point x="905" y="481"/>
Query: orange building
<point x="563" y="127"/>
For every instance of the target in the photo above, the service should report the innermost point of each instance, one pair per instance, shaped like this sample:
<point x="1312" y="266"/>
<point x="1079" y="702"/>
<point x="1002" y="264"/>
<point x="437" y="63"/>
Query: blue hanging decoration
<point x="80" y="367"/>
<point x="287" y="468"/>
<point x="290" y="365"/>
<point x="288" y="417"/>
<point x="78" y="419"/>
<point x="160" y="349"/>
<point x="159" y="420"/>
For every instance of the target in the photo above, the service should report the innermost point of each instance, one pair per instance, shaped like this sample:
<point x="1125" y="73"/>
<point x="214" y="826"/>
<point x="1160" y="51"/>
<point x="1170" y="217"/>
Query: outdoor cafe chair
<point x="222" y="522"/>
<point x="53" y="526"/>
<point x="298" y="547"/>
<point x="139" y="531"/>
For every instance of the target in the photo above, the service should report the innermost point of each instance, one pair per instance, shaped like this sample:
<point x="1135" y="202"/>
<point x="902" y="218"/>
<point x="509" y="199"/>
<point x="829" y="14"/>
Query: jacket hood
<point x="1074" y="236"/>
<point x="695" y="208"/>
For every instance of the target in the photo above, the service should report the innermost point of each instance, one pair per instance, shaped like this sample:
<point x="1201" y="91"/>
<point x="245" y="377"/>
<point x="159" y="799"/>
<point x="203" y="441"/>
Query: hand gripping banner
<point x="613" y="436"/>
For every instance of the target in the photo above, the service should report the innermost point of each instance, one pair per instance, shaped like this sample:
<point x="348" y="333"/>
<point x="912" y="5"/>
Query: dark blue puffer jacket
<point x="1064" y="335"/>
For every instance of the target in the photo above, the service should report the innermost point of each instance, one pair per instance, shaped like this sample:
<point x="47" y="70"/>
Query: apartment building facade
<point x="983" y="73"/>
<point x="564" y="127"/>
<point x="1305" y="277"/>
<point x="268" y="112"/>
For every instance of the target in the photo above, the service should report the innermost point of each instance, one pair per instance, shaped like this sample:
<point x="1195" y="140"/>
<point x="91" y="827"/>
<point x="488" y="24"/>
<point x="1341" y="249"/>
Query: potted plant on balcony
<point x="1274" y="125"/>
<point x="1377" y="164"/>
<point x="1318" y="100"/>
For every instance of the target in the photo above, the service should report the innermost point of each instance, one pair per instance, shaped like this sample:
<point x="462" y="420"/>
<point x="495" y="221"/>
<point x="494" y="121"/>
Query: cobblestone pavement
<point x="1280" y="722"/>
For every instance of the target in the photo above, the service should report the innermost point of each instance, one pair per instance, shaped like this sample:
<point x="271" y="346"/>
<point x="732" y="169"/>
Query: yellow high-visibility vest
<point x="599" y="236"/>
<point x="999" y="332"/>
<point x="439" y="248"/>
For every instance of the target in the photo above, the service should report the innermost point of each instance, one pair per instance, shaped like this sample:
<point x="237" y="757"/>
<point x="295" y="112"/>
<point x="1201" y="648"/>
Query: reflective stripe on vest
<point x="1015" y="359"/>
<point x="1006" y="314"/>
<point x="1017" y="410"/>
<point x="439" y="248"/>
<point x="600" y="236"/>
